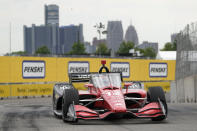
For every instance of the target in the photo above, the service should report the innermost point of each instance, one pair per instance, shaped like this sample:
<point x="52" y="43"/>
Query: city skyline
<point x="154" y="20"/>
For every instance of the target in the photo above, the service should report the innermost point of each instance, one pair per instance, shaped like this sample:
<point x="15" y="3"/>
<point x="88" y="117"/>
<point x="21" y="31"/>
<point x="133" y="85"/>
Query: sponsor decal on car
<point x="78" y="67"/>
<point x="33" y="69"/>
<point x="158" y="69"/>
<point x="123" y="67"/>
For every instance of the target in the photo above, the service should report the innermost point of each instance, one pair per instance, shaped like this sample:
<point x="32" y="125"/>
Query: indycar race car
<point x="106" y="98"/>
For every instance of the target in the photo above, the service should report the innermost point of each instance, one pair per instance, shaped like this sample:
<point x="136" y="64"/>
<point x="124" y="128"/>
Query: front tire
<point x="70" y="98"/>
<point x="54" y="106"/>
<point x="156" y="94"/>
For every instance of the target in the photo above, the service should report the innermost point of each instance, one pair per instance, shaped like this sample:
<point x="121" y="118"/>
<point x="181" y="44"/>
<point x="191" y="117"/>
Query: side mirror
<point x="127" y="85"/>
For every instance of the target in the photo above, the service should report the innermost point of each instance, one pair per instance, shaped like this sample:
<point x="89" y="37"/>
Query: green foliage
<point x="43" y="50"/>
<point x="18" y="53"/>
<point x="102" y="49"/>
<point x="149" y="52"/>
<point x="125" y="47"/>
<point x="169" y="46"/>
<point x="141" y="50"/>
<point x="78" y="49"/>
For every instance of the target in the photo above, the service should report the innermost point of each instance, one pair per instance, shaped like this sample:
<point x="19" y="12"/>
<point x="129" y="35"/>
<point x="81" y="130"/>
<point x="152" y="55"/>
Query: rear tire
<point x="70" y="96"/>
<point x="154" y="95"/>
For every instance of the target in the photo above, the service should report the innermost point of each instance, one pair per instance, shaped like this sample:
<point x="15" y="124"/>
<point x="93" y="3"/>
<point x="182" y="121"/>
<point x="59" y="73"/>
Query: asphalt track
<point x="35" y="114"/>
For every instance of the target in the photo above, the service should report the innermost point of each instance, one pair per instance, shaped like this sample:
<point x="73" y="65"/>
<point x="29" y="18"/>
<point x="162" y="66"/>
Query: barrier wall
<point x="19" y="75"/>
<point x="185" y="90"/>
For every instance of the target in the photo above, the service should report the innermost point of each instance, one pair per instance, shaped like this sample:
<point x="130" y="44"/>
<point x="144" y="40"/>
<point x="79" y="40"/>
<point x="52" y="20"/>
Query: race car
<point x="106" y="98"/>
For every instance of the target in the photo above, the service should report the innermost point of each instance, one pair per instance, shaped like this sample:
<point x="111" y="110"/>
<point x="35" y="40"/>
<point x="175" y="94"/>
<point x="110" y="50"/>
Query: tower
<point x="51" y="14"/>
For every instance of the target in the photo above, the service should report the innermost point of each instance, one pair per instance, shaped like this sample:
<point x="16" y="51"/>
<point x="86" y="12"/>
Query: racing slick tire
<point x="56" y="115"/>
<point x="70" y="98"/>
<point x="156" y="94"/>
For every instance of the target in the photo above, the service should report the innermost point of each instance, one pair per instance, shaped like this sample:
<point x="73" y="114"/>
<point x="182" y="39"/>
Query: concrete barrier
<point x="189" y="89"/>
<point x="184" y="90"/>
<point x="173" y="92"/>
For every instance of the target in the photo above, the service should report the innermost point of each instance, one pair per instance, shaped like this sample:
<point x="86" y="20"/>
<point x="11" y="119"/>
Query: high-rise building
<point x="114" y="35"/>
<point x="58" y="40"/>
<point x="131" y="35"/>
<point x="51" y="14"/>
<point x="147" y="44"/>
<point x="69" y="35"/>
<point x="38" y="36"/>
<point x="90" y="49"/>
<point x="96" y="42"/>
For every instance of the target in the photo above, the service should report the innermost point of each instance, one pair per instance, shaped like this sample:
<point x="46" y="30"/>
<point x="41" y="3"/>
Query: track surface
<point x="36" y="115"/>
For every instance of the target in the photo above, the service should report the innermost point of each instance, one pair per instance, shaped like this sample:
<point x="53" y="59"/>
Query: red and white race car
<point x="105" y="98"/>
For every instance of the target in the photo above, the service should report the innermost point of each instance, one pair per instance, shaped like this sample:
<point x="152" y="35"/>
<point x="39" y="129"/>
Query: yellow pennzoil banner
<point x="56" y="69"/>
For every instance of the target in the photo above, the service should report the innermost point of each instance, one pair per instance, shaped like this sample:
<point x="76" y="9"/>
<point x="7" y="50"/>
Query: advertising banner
<point x="158" y="69"/>
<point x="123" y="67"/>
<point x="33" y="69"/>
<point x="78" y="67"/>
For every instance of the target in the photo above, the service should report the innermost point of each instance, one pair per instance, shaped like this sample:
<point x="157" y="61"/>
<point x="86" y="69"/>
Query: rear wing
<point x="84" y="77"/>
<point x="79" y="77"/>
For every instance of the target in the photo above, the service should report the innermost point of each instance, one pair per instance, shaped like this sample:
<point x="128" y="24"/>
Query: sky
<point x="154" y="20"/>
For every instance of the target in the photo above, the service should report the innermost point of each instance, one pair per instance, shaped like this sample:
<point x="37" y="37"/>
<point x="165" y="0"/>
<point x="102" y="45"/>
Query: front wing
<point x="151" y="110"/>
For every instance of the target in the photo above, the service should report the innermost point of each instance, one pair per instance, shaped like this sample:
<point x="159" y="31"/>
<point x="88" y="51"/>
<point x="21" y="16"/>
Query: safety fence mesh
<point x="186" y="61"/>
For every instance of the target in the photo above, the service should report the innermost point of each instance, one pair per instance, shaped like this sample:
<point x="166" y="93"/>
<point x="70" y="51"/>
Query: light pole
<point x="100" y="29"/>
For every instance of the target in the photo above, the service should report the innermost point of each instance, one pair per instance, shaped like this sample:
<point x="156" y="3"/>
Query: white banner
<point x="123" y="67"/>
<point x="158" y="70"/>
<point x="78" y="67"/>
<point x="33" y="69"/>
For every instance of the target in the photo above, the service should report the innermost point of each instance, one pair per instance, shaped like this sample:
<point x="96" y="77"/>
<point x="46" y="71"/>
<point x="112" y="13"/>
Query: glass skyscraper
<point x="51" y="14"/>
<point x="70" y="35"/>
<point x="114" y="35"/>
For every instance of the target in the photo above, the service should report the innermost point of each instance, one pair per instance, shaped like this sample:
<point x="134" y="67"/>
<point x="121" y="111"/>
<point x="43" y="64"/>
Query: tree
<point x="43" y="50"/>
<point x="102" y="49"/>
<point x="18" y="53"/>
<point x="78" y="49"/>
<point x="125" y="47"/>
<point x="141" y="50"/>
<point x="149" y="52"/>
<point x="169" y="46"/>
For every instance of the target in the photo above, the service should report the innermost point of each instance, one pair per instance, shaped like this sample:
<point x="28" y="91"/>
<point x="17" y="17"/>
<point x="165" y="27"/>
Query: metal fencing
<point x="186" y="61"/>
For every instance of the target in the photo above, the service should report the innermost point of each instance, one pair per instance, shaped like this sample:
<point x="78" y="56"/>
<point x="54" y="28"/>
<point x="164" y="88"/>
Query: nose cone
<point x="115" y="100"/>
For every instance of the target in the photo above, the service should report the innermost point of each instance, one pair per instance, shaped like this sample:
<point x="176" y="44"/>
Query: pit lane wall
<point x="35" y="76"/>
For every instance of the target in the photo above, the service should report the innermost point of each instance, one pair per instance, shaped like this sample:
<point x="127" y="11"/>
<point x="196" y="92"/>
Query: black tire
<point x="154" y="94"/>
<point x="53" y="101"/>
<point x="69" y="96"/>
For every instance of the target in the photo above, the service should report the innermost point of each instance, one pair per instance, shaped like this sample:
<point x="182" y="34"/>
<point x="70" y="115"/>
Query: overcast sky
<point x="154" y="20"/>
